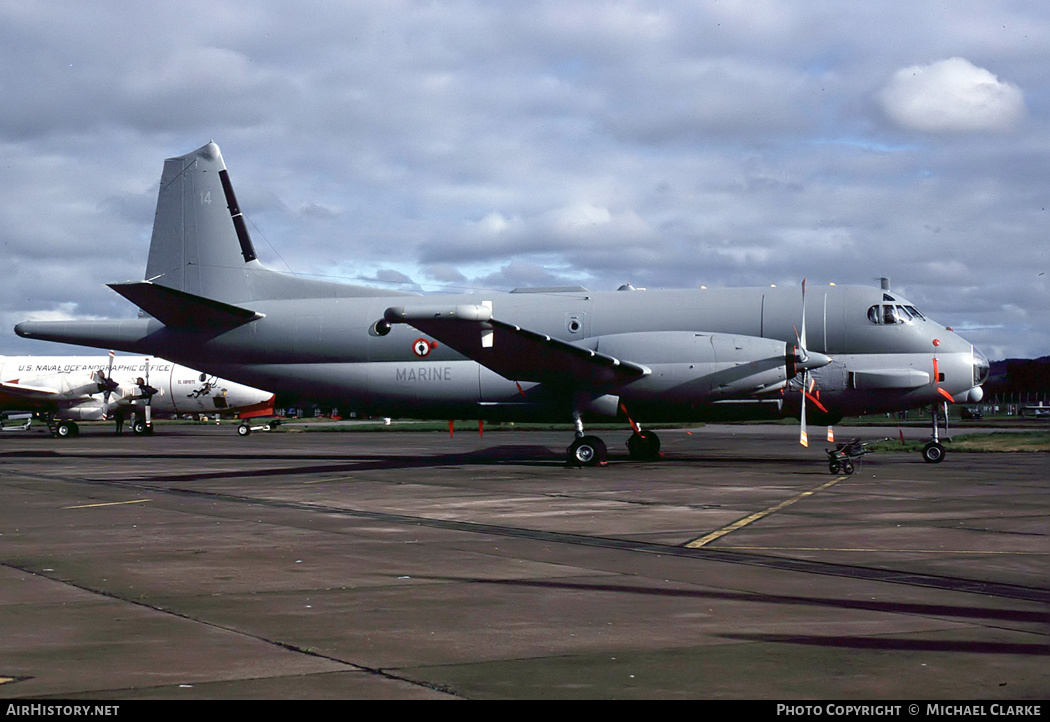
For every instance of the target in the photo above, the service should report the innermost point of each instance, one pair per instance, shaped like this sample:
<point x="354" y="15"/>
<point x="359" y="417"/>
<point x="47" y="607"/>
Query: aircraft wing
<point x="28" y="392"/>
<point x="513" y="352"/>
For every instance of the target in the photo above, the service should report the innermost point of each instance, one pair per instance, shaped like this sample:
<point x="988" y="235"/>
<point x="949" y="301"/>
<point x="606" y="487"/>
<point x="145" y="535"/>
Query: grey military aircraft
<point x="552" y="354"/>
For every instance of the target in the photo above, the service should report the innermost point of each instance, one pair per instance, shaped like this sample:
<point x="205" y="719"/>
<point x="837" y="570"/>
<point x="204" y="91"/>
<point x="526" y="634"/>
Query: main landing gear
<point x="63" y="429"/>
<point x="60" y="428"/>
<point x="644" y="445"/>
<point x="587" y="450"/>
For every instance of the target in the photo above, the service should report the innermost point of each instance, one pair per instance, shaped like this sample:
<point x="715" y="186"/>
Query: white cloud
<point x="951" y="95"/>
<point x="474" y="144"/>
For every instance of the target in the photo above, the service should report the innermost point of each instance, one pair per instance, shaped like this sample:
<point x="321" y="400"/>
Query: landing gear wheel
<point x="588" y="451"/>
<point x="244" y="430"/>
<point x="644" y="446"/>
<point x="65" y="429"/>
<point x="933" y="453"/>
<point x="140" y="428"/>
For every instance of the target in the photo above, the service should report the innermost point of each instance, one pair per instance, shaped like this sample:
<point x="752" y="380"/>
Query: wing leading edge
<point x="514" y="352"/>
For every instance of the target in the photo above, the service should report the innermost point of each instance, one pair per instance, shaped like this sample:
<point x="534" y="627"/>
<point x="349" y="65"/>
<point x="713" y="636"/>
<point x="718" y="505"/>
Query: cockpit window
<point x="915" y="312"/>
<point x="887" y="314"/>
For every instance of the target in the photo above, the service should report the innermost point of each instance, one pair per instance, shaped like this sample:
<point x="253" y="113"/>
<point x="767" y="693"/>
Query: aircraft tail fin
<point x="201" y="245"/>
<point x="195" y="247"/>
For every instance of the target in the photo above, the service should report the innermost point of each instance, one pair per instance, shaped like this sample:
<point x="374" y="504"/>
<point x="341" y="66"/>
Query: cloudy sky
<point x="462" y="145"/>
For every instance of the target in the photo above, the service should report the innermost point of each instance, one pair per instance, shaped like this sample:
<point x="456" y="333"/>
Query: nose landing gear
<point x="933" y="452"/>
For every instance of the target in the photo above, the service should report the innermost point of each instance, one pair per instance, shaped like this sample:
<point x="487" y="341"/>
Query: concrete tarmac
<point x="195" y="564"/>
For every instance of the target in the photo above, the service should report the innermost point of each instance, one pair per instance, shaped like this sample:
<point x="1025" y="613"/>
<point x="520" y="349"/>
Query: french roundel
<point x="421" y="347"/>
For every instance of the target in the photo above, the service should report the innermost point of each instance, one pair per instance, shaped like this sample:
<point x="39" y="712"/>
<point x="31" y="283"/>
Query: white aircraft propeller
<point x="106" y="385"/>
<point x="806" y="361"/>
<point x="146" y="391"/>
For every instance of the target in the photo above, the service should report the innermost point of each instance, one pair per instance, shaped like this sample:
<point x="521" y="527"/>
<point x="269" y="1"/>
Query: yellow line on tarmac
<point x="7" y="680"/>
<point x="705" y="540"/>
<point x="109" y="503"/>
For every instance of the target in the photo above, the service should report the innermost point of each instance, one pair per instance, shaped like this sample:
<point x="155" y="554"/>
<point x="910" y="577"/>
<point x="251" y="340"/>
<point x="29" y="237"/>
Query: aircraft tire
<point x="644" y="447"/>
<point x="140" y="428"/>
<point x="933" y="453"/>
<point x="244" y="430"/>
<point x="65" y="429"/>
<point x="588" y="451"/>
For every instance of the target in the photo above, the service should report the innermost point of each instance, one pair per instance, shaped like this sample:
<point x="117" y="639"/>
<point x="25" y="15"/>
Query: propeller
<point x="147" y="392"/>
<point x="803" y="360"/>
<point x="106" y="385"/>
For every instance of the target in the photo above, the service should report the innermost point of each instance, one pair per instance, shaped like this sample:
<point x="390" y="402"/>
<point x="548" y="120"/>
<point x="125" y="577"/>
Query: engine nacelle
<point x="87" y="411"/>
<point x="709" y="366"/>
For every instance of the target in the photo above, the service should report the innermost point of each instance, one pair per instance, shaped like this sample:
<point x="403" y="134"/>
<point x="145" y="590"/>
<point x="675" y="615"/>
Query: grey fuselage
<point x="327" y="351"/>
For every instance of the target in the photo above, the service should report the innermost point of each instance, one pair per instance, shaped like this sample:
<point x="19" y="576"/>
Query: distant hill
<point x="1019" y="376"/>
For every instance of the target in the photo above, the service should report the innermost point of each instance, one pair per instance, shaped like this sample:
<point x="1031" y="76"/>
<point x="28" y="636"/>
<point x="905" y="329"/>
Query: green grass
<point x="994" y="442"/>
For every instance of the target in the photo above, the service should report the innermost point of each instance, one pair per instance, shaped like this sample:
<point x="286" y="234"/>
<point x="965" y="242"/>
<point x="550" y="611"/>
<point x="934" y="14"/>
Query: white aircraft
<point x="65" y="389"/>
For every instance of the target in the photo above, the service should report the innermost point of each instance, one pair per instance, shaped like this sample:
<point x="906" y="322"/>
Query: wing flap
<point x="180" y="309"/>
<point x="514" y="352"/>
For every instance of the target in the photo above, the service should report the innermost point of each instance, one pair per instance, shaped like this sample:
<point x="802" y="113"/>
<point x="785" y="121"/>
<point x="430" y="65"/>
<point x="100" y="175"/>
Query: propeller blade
<point x="146" y="392"/>
<point x="816" y="401"/>
<point x="803" y="436"/>
<point x="110" y="386"/>
<point x="802" y="336"/>
<point x="804" y="361"/>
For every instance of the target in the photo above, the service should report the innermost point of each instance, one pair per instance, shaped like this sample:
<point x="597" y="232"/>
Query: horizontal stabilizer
<point x="180" y="309"/>
<point x="513" y="352"/>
